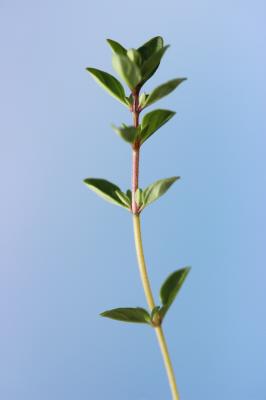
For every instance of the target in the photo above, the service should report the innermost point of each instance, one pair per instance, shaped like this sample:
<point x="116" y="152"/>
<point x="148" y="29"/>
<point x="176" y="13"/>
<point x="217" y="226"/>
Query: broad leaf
<point x="138" y="315"/>
<point x="150" y="47"/>
<point x="152" y="121"/>
<point x="162" y="90"/>
<point x="171" y="287"/>
<point x="157" y="189"/>
<point x="150" y="66"/>
<point x="116" y="47"/>
<point x="105" y="189"/>
<point x="128" y="133"/>
<point x="109" y="83"/>
<point x="127" y="70"/>
<point x="147" y="50"/>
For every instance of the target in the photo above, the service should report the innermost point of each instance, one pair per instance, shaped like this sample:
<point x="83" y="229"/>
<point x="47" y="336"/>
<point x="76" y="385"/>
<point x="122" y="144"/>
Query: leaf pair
<point x="168" y="293"/>
<point x="114" y="87"/>
<point x="112" y="193"/>
<point x="151" y="122"/>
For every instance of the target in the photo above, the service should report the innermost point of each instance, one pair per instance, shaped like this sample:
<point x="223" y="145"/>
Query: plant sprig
<point x="134" y="67"/>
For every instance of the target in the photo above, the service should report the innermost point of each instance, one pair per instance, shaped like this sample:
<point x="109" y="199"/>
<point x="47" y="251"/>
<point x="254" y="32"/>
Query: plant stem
<point x="167" y="362"/>
<point x="140" y="254"/>
<point x="151" y="304"/>
<point x="141" y="262"/>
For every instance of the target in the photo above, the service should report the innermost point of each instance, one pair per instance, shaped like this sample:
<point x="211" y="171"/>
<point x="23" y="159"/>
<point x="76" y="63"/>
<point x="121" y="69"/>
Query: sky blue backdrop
<point x="66" y="255"/>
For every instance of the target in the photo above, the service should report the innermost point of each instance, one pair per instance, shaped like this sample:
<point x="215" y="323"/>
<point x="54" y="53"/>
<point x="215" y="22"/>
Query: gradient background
<point x="66" y="255"/>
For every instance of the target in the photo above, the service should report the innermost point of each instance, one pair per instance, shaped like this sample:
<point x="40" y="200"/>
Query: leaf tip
<point x="175" y="178"/>
<point x="102" y="314"/>
<point x="109" y="41"/>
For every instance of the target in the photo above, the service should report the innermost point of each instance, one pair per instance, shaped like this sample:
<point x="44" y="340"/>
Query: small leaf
<point x="171" y="287"/>
<point x="155" y="311"/>
<point x="150" y="66"/>
<point x="138" y="197"/>
<point x="128" y="133"/>
<point x="156" y="317"/>
<point x="157" y="189"/>
<point x="127" y="70"/>
<point x="162" y="90"/>
<point x="116" y="47"/>
<point x="109" y="83"/>
<point x="105" y="189"/>
<point x="143" y="99"/>
<point x="124" y="198"/>
<point x="152" y="121"/>
<point x="138" y="315"/>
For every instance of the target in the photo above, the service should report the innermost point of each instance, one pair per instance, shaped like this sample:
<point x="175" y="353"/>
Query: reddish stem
<point x="135" y="152"/>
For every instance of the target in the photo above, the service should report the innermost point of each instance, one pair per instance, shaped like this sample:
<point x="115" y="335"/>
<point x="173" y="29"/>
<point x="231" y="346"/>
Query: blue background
<point x="66" y="255"/>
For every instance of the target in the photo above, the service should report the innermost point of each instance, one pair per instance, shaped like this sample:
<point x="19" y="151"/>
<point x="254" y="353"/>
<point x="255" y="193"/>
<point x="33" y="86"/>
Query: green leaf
<point x="124" y="198"/>
<point x="156" y="317"/>
<point x="152" y="121"/>
<point x="142" y="99"/>
<point x="138" y="197"/>
<point x="154" y="311"/>
<point x="171" y="287"/>
<point x="129" y="100"/>
<point x="134" y="56"/>
<point x="127" y="70"/>
<point x="150" y="66"/>
<point x="116" y="47"/>
<point x="157" y="189"/>
<point x="162" y="90"/>
<point x="106" y="190"/>
<point x="150" y="47"/>
<point x="138" y="315"/>
<point x="128" y="133"/>
<point x="129" y="195"/>
<point x="109" y="83"/>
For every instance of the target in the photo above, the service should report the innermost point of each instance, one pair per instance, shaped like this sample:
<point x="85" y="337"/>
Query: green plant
<point x="135" y="67"/>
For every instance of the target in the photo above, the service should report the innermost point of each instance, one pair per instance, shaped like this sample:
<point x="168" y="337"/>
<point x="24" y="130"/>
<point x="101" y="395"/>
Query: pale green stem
<point x="151" y="304"/>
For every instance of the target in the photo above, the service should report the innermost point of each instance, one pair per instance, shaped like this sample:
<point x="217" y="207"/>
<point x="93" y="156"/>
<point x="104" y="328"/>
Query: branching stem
<point x="140" y="254"/>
